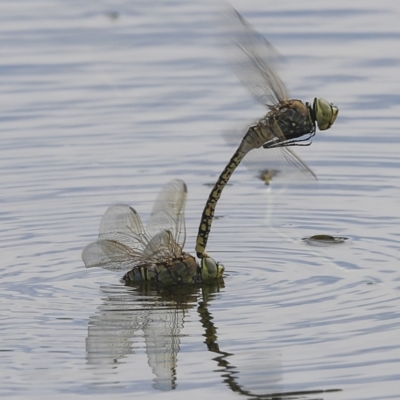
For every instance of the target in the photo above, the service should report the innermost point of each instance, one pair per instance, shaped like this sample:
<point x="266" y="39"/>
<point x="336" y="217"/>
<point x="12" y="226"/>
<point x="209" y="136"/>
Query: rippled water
<point x="104" y="102"/>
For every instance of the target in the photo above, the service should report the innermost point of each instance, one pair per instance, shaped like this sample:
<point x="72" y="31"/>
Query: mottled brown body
<point x="294" y="119"/>
<point x="284" y="123"/>
<point x="180" y="270"/>
<point x="290" y="120"/>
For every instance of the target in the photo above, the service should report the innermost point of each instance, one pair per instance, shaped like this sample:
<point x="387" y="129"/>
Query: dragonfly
<point x="289" y="122"/>
<point x="151" y="253"/>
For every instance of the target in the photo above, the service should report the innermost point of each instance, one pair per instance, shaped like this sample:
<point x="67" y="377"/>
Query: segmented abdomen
<point x="182" y="270"/>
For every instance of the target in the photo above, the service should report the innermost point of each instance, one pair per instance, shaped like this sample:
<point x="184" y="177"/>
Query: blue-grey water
<point x="103" y="102"/>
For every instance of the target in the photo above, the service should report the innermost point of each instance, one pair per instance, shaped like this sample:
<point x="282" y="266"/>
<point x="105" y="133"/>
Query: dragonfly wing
<point x="168" y="213"/>
<point x="279" y="163"/>
<point x="253" y="59"/>
<point x="162" y="248"/>
<point x="111" y="255"/>
<point x="122" y="224"/>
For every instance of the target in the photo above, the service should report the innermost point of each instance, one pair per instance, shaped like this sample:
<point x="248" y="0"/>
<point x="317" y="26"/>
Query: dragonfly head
<point x="325" y="113"/>
<point x="210" y="269"/>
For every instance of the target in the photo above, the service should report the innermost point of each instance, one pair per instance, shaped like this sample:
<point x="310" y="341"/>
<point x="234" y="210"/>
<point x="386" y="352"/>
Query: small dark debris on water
<point x="325" y="240"/>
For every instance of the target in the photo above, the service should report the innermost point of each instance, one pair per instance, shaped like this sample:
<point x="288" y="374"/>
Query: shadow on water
<point x="159" y="313"/>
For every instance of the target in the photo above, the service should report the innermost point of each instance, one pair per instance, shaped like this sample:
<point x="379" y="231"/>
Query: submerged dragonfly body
<point x="154" y="253"/>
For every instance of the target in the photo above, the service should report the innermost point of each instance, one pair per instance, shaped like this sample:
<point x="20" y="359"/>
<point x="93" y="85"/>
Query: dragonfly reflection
<point x="143" y="307"/>
<point x="154" y="253"/>
<point x="160" y="314"/>
<point x="289" y="122"/>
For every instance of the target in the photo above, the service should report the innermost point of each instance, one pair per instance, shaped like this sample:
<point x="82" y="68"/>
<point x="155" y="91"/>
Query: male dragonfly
<point x="289" y="122"/>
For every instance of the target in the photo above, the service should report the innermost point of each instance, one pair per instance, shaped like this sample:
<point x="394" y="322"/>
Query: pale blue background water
<point x="97" y="110"/>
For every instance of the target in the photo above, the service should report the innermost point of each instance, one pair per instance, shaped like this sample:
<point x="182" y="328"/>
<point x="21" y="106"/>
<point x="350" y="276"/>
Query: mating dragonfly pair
<point x="156" y="253"/>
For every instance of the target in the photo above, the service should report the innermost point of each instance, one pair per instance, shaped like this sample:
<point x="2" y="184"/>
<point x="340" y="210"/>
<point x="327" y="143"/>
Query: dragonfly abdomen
<point x="181" y="270"/>
<point x="140" y="273"/>
<point x="209" y="209"/>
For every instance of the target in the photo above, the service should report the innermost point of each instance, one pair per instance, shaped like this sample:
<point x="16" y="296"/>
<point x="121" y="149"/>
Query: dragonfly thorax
<point x="295" y="120"/>
<point x="289" y="123"/>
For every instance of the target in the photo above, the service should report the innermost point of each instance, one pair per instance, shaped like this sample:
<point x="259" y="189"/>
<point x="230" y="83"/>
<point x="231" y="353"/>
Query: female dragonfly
<point x="154" y="253"/>
<point x="288" y="122"/>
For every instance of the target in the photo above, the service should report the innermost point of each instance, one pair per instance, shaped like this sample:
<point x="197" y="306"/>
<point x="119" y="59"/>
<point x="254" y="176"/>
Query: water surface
<point x="104" y="102"/>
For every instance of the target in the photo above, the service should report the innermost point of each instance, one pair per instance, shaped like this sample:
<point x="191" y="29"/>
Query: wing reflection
<point x="161" y="334"/>
<point x="157" y="314"/>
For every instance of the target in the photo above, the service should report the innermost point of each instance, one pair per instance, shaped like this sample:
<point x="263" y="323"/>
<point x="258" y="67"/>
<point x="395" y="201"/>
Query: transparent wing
<point x="162" y="247"/>
<point x="168" y="213"/>
<point x="124" y="243"/>
<point x="253" y="59"/>
<point x="279" y="163"/>
<point x="283" y="163"/>
<point x="110" y="255"/>
<point x="121" y="242"/>
<point x="122" y="224"/>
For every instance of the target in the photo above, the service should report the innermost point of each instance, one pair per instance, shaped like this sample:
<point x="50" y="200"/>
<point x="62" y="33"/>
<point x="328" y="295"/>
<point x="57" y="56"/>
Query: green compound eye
<point x="325" y="113"/>
<point x="210" y="269"/>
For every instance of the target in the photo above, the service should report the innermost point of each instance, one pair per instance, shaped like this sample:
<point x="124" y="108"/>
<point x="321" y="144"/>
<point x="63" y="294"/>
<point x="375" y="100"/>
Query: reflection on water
<point x="159" y="313"/>
<point x="98" y="110"/>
